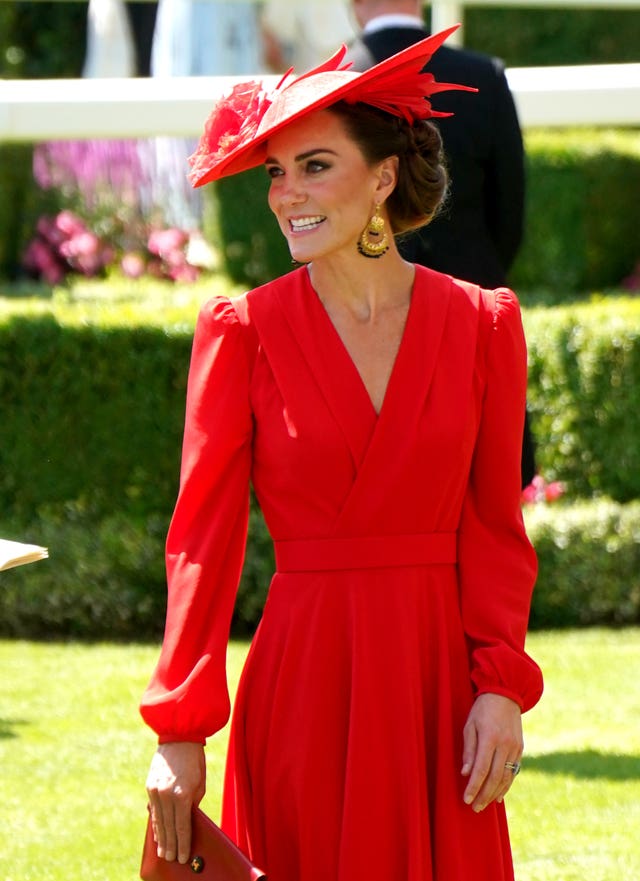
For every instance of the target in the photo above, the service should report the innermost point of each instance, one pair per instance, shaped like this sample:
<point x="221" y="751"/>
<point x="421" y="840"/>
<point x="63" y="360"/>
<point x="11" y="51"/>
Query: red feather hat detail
<point x="238" y="128"/>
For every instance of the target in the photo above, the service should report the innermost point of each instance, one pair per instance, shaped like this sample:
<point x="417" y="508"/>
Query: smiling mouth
<point x="305" y="224"/>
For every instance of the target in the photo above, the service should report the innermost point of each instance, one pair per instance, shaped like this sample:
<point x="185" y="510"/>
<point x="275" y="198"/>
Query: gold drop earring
<point x="374" y="242"/>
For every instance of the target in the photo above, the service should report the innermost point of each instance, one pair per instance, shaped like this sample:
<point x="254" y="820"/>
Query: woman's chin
<point x="301" y="255"/>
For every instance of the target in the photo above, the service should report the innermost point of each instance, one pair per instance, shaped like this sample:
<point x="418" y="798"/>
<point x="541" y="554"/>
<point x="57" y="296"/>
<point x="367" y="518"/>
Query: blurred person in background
<point x="198" y="38"/>
<point x="302" y="35"/>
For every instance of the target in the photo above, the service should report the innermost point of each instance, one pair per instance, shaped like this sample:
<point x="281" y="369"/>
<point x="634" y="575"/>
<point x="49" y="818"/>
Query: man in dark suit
<point x="478" y="232"/>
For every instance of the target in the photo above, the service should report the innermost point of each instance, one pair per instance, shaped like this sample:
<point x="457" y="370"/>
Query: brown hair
<point x="422" y="175"/>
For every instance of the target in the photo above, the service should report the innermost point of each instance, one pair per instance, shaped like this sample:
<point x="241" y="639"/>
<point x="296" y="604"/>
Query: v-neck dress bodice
<point x="336" y="350"/>
<point x="402" y="588"/>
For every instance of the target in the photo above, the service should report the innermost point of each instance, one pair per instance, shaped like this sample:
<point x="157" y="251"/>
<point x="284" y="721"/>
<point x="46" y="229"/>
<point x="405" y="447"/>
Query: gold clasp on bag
<point x="197" y="865"/>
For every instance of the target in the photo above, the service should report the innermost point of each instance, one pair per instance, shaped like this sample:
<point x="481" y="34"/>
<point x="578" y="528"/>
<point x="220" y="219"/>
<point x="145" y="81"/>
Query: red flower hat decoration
<point x="240" y="124"/>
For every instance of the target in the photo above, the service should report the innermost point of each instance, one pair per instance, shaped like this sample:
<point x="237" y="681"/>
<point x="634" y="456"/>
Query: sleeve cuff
<point x="181" y="738"/>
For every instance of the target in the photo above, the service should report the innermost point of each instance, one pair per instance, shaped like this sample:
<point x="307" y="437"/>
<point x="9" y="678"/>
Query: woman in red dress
<point x="376" y="407"/>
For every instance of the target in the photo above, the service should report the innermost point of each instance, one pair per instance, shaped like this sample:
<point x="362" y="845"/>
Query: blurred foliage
<point x="42" y="40"/>
<point x="105" y="576"/>
<point x="589" y="564"/>
<point x="528" y="37"/>
<point x="239" y="221"/>
<point x="96" y="414"/>
<point x="582" y="227"/>
<point x="584" y="396"/>
<point x="21" y="203"/>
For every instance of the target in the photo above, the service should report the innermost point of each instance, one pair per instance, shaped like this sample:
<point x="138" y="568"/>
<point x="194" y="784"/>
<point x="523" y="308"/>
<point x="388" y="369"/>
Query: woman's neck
<point x="365" y="288"/>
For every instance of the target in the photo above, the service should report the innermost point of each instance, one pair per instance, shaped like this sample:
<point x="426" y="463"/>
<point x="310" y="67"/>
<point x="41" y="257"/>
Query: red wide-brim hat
<point x="237" y="130"/>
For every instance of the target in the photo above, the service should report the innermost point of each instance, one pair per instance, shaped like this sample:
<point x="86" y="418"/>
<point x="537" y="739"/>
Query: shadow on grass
<point x="8" y="728"/>
<point x="587" y="764"/>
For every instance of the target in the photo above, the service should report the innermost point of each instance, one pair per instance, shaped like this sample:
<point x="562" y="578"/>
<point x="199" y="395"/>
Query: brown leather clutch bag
<point x="214" y="856"/>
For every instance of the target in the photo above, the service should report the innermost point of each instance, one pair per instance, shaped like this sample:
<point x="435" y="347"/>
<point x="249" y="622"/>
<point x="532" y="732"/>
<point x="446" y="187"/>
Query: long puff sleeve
<point x="187" y="698"/>
<point x="497" y="563"/>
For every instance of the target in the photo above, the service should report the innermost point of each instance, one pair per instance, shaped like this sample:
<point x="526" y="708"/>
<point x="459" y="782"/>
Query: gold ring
<point x="514" y="767"/>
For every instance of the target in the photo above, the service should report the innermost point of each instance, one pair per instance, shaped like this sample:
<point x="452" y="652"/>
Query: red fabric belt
<point x="370" y="552"/>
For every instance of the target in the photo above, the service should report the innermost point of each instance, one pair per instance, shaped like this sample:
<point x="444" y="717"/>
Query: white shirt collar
<point x="396" y="20"/>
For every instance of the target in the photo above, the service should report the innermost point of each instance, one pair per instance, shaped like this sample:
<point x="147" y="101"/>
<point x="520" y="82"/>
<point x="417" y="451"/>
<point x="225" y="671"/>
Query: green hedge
<point x="240" y="223"/>
<point x="581" y="231"/>
<point x="589" y="564"/>
<point x="42" y="40"/>
<point x="584" y="395"/>
<point x="105" y="579"/>
<point x="95" y="414"/>
<point x="530" y="37"/>
<point x="21" y="204"/>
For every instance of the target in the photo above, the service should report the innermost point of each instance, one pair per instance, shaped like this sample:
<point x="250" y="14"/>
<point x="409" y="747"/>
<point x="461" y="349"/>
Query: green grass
<point x="74" y="755"/>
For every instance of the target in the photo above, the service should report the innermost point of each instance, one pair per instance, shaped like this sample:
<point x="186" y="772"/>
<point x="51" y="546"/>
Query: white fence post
<point x="444" y="13"/>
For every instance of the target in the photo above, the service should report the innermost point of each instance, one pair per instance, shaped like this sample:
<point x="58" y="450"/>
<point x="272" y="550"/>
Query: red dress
<point x="403" y="585"/>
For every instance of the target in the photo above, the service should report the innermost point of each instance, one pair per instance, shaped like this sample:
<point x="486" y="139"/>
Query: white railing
<point x="35" y="110"/>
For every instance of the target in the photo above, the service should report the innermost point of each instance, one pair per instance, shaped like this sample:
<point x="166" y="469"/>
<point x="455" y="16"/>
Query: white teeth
<point x="300" y="223"/>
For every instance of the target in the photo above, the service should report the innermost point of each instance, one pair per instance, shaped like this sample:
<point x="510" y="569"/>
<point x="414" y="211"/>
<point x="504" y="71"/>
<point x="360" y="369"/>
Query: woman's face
<point x="322" y="190"/>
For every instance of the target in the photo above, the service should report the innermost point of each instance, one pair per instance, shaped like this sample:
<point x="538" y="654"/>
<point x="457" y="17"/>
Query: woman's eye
<point x="274" y="171"/>
<point x="314" y="166"/>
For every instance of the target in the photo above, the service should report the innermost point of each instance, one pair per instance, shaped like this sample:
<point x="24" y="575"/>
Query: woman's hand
<point x="175" y="783"/>
<point x="492" y="737"/>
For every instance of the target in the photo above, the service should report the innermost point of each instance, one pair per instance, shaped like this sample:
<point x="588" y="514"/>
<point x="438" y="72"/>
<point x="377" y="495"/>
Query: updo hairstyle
<point x="422" y="175"/>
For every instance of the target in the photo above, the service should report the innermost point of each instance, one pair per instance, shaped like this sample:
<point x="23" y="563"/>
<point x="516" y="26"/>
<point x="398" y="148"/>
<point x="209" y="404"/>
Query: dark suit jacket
<point x="479" y="230"/>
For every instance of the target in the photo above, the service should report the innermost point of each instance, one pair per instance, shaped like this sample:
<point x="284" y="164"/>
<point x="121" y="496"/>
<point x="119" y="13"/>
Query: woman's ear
<point x="387" y="176"/>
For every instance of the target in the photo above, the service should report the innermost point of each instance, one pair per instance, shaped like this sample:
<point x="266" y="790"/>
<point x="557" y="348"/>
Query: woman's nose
<point x="293" y="193"/>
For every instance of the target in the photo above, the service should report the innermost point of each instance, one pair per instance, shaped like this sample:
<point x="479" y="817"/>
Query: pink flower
<point x="632" y="281"/>
<point x="165" y="241"/>
<point x="184" y="273"/>
<point x="65" y="243"/>
<point x="84" y="252"/>
<point x="53" y="273"/>
<point x="89" y="264"/>
<point x="81" y="244"/>
<point x="69" y="224"/>
<point x="107" y="254"/>
<point x="40" y="261"/>
<point x="47" y="229"/>
<point x="34" y="255"/>
<point x="175" y="258"/>
<point x="553" y="491"/>
<point x="539" y="491"/>
<point x="133" y="265"/>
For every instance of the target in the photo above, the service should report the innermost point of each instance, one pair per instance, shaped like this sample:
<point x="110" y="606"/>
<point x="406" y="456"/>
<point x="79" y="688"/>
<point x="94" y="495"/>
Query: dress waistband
<point x="368" y="552"/>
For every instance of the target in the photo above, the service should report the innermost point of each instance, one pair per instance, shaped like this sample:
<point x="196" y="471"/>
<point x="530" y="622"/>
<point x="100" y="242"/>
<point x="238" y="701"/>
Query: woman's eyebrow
<point x="302" y="156"/>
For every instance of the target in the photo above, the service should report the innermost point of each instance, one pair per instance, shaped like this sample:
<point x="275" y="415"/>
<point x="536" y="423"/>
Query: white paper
<point x="15" y="553"/>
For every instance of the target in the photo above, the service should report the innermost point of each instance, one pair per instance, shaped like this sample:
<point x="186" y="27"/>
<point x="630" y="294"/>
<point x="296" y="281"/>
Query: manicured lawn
<point x="74" y="755"/>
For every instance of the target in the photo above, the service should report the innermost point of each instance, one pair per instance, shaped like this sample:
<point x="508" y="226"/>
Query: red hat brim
<point x="237" y="131"/>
